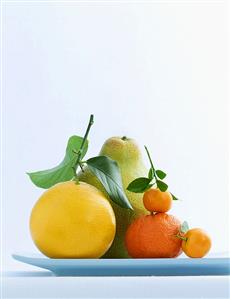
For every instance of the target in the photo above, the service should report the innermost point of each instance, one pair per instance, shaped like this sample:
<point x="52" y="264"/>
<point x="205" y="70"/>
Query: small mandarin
<point x="157" y="201"/>
<point x="196" y="243"/>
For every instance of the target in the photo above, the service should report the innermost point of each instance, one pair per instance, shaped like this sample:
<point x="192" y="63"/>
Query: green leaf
<point x="161" y="174"/>
<point x="161" y="185"/>
<point x="140" y="185"/>
<point x="174" y="197"/>
<point x="150" y="174"/>
<point x="63" y="172"/>
<point x="184" y="227"/>
<point x="108" y="173"/>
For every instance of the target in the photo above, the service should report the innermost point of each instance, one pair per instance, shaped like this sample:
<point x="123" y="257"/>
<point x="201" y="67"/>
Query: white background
<point x="154" y="72"/>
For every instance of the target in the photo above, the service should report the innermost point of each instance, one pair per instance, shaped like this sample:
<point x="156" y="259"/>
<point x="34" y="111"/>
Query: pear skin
<point x="128" y="156"/>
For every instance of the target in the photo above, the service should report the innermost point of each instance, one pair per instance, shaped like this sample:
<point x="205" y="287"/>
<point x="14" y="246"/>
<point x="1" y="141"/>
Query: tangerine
<point x="196" y="243"/>
<point x="154" y="236"/>
<point x="157" y="201"/>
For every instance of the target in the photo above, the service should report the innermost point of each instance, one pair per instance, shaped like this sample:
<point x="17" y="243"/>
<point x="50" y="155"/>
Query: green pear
<point x="128" y="156"/>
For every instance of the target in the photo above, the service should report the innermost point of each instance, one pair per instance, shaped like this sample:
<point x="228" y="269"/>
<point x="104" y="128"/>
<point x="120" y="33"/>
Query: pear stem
<point x="79" y="153"/>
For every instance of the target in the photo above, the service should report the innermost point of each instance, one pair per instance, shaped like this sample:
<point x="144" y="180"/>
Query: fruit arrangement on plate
<point x="109" y="206"/>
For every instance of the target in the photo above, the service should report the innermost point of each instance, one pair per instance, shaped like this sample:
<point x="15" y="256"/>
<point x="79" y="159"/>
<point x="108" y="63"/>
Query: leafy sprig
<point x="155" y="177"/>
<point x="105" y="169"/>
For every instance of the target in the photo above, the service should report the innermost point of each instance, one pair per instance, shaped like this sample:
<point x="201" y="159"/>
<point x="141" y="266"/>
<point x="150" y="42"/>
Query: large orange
<point x="154" y="236"/>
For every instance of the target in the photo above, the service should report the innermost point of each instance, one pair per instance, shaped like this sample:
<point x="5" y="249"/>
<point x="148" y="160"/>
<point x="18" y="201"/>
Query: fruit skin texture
<point x="128" y="156"/>
<point x="198" y="243"/>
<point x="154" y="236"/>
<point x="157" y="201"/>
<point x="72" y="221"/>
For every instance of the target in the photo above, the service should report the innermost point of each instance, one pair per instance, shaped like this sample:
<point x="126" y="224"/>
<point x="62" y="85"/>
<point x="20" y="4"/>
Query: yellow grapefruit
<point x="73" y="221"/>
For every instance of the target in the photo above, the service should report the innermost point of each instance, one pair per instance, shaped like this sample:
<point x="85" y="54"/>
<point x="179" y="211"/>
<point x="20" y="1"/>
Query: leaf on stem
<point x="63" y="172"/>
<point x="108" y="173"/>
<point x="184" y="227"/>
<point x="140" y="185"/>
<point x="174" y="197"/>
<point x="161" y="174"/>
<point x="161" y="185"/>
<point x="151" y="174"/>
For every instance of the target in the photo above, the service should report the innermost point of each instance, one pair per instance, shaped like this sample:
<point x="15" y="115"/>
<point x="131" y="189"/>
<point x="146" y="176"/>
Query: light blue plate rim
<point x="129" y="267"/>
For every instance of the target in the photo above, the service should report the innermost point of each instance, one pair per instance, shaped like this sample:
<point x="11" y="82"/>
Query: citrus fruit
<point x="157" y="201"/>
<point x="73" y="221"/>
<point x="196" y="243"/>
<point x="154" y="236"/>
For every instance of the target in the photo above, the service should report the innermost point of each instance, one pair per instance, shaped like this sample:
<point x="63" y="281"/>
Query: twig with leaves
<point x="155" y="177"/>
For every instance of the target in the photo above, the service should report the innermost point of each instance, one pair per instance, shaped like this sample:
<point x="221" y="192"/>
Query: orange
<point x="154" y="236"/>
<point x="157" y="201"/>
<point x="196" y="243"/>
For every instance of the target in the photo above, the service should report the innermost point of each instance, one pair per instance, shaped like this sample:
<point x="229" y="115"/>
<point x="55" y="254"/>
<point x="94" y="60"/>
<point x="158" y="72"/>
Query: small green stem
<point x="150" y="160"/>
<point x="151" y="163"/>
<point x="81" y="166"/>
<point x="182" y="238"/>
<point x="79" y="153"/>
